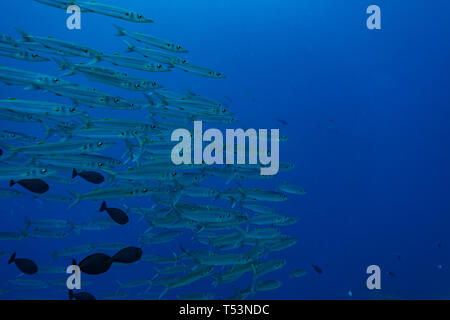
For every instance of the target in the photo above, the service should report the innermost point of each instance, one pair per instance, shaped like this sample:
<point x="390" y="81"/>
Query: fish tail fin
<point x="103" y="206"/>
<point x="25" y="36"/>
<point x="77" y="198"/>
<point x="163" y="293"/>
<point x="162" y="98"/>
<point x="65" y="65"/>
<point x="158" y="272"/>
<point x="48" y="131"/>
<point x="76" y="228"/>
<point x="130" y="46"/>
<point x="27" y="222"/>
<point x="255" y="274"/>
<point x="148" y="229"/>
<point x="149" y="286"/>
<point x="93" y="61"/>
<point x="241" y="231"/>
<point x="120" y="31"/>
<point x="10" y="149"/>
<point x="74" y="173"/>
<point x="12" y="258"/>
<point x="231" y="178"/>
<point x="183" y="249"/>
<point x="60" y="63"/>
<point x="215" y="282"/>
<point x="71" y="225"/>
<point x="151" y="101"/>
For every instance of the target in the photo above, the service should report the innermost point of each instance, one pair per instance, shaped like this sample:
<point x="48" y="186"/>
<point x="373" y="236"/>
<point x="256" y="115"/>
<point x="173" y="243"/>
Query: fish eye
<point x="135" y="132"/>
<point x="100" y="164"/>
<point x="144" y="190"/>
<point x="159" y="66"/>
<point x="139" y="16"/>
<point x="72" y="109"/>
<point x="210" y="72"/>
<point x="122" y="134"/>
<point x="100" y="144"/>
<point x="168" y="45"/>
<point x="116" y="100"/>
<point x="34" y="55"/>
<point x="56" y="80"/>
<point x="127" y="14"/>
<point x="137" y="85"/>
<point x="44" y="171"/>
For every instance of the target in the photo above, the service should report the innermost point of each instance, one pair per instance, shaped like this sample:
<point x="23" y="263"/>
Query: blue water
<point x="368" y="128"/>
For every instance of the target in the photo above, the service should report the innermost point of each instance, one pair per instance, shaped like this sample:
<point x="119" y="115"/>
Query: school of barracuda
<point x="236" y="229"/>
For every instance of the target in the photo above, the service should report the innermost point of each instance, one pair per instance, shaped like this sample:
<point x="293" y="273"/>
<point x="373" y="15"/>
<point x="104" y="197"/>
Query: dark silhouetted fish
<point x="391" y="274"/>
<point x="96" y="263"/>
<point x="25" y="265"/>
<point x="33" y="185"/>
<point x="117" y="215"/>
<point x="80" y="296"/>
<point x="89" y="176"/>
<point x="317" y="269"/>
<point x="128" y="255"/>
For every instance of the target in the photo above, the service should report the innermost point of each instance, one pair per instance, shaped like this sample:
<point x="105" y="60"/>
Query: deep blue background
<point x="368" y="132"/>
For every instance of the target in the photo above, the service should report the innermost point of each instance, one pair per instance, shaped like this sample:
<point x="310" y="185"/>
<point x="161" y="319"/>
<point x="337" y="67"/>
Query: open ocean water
<point x="366" y="114"/>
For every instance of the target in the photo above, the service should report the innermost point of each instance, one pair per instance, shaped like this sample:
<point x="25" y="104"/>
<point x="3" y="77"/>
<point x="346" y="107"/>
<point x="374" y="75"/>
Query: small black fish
<point x="80" y="296"/>
<point x="25" y="265"/>
<point x="317" y="269"/>
<point x="117" y="215"/>
<point x="96" y="263"/>
<point x="128" y="255"/>
<point x="89" y="176"/>
<point x="33" y="185"/>
<point x="283" y="122"/>
<point x="391" y="274"/>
